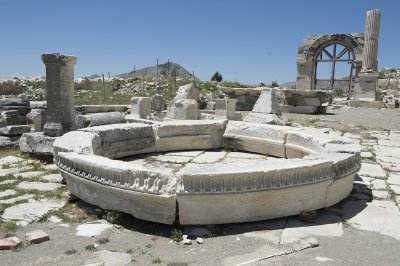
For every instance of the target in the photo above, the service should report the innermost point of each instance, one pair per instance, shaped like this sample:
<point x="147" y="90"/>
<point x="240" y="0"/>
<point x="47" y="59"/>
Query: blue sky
<point x="249" y="41"/>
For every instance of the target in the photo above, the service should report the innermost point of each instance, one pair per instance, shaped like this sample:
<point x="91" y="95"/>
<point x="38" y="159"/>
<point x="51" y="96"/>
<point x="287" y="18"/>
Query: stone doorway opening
<point x="335" y="67"/>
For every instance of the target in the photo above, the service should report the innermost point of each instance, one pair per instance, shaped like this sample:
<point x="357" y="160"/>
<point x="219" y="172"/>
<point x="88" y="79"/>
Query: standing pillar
<point x="368" y="75"/>
<point x="60" y="94"/>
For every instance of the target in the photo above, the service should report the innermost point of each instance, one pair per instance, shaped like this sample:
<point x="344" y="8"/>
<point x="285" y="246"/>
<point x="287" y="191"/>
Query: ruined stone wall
<point x="390" y="85"/>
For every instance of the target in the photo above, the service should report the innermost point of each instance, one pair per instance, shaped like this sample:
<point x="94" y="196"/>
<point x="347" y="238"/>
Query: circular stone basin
<point x="207" y="171"/>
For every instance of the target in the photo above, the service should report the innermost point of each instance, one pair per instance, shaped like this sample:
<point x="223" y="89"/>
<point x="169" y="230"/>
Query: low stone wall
<point x="312" y="168"/>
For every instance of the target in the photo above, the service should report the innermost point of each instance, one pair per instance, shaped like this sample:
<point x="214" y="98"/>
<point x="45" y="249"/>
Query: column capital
<point x="59" y="59"/>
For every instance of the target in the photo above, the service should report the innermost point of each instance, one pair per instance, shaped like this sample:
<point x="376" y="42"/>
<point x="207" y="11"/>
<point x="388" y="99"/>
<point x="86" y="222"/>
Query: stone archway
<point x="310" y="51"/>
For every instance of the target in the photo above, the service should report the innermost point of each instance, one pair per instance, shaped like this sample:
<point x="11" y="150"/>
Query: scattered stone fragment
<point x="54" y="219"/>
<point x="93" y="229"/>
<point x="26" y="213"/>
<point x="36" y="237"/>
<point x="38" y="186"/>
<point x="186" y="241"/>
<point x="8" y="192"/>
<point x="200" y="240"/>
<point x="55" y="178"/>
<point x="323" y="259"/>
<point x="308" y="217"/>
<point x="366" y="154"/>
<point x="9" y="243"/>
<point x="372" y="170"/>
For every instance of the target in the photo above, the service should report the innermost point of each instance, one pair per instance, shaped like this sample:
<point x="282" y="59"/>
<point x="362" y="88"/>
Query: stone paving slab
<point x="379" y="194"/>
<point x="372" y="170"/>
<point x="55" y="178"/>
<point x="30" y="174"/>
<point x="210" y="157"/>
<point x="16" y="199"/>
<point x="10" y="160"/>
<point x="26" y="213"/>
<point x="171" y="158"/>
<point x="8" y="192"/>
<point x="377" y="216"/>
<point x="12" y="171"/>
<point x="327" y="225"/>
<point x="38" y="186"/>
<point x="379" y="184"/>
<point x="395" y="188"/>
<point x="394" y="179"/>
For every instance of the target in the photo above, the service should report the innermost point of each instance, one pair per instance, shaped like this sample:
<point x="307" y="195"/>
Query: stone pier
<point x="60" y="94"/>
<point x="368" y="75"/>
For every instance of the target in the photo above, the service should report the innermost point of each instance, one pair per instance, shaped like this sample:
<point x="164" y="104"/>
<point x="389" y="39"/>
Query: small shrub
<point x="156" y="261"/>
<point x="70" y="251"/>
<point x="91" y="248"/>
<point x="102" y="241"/>
<point x="176" y="235"/>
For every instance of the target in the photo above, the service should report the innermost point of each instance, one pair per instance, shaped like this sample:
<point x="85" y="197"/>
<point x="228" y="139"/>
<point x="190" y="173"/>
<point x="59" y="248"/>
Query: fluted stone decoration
<point x="368" y="76"/>
<point x="60" y="94"/>
<point x="371" y="36"/>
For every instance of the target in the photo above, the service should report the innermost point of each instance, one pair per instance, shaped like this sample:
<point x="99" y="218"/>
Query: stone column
<point x="368" y="75"/>
<point x="60" y="94"/>
<point x="371" y="36"/>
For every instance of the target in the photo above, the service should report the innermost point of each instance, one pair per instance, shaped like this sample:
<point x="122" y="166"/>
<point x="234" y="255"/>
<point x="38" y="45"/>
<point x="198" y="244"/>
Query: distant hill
<point x="170" y="69"/>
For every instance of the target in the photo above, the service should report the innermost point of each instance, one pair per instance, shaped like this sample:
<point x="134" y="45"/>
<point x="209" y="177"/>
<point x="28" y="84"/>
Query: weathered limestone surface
<point x="188" y="91"/>
<point x="138" y="196"/>
<point x="158" y="103"/>
<point x="186" y="109"/>
<point x="141" y="107"/>
<point x="266" y="110"/>
<point x="36" y="237"/>
<point x="37" y="143"/>
<point x="9" y="243"/>
<point x="226" y="108"/>
<point x="15" y="130"/>
<point x="38" y="119"/>
<point x="99" y="119"/>
<point x="247" y="190"/>
<point x="184" y="135"/>
<point x="60" y="94"/>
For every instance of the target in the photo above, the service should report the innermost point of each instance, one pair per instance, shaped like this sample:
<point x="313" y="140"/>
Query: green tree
<point x="216" y="77"/>
<point x="273" y="84"/>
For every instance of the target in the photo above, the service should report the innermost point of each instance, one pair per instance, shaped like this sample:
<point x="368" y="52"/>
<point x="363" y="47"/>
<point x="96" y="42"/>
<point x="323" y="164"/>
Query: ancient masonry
<point x="368" y="75"/>
<point x="60" y="94"/>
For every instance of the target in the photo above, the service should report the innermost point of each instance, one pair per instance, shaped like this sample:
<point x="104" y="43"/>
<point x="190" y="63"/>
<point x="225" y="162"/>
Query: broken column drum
<point x="60" y="94"/>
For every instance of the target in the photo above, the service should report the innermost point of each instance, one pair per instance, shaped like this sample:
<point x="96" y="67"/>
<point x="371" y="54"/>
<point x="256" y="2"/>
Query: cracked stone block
<point x="36" y="237"/>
